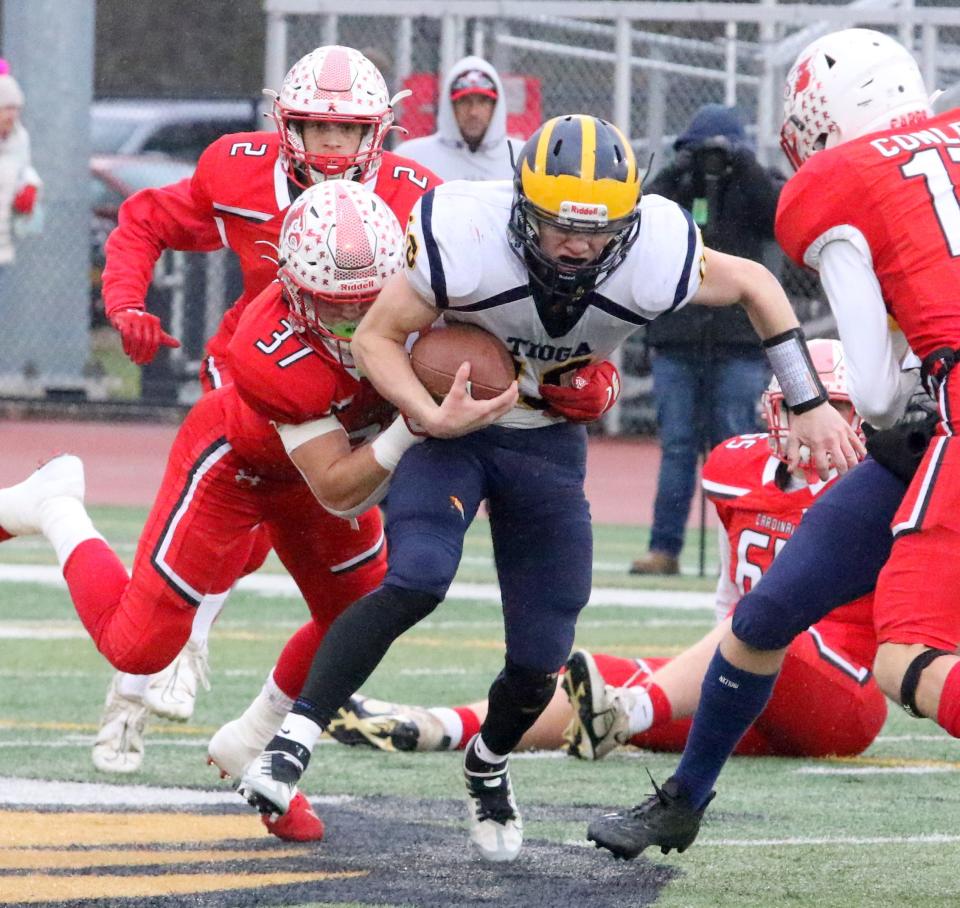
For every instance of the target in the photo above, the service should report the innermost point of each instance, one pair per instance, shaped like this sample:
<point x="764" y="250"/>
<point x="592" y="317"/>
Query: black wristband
<point x="791" y="363"/>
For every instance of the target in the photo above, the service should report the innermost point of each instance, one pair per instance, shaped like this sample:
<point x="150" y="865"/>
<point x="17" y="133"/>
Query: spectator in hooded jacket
<point x="708" y="367"/>
<point x="471" y="139"/>
<point x="19" y="183"/>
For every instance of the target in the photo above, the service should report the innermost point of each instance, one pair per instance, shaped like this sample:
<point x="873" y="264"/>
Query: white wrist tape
<point x="293" y="436"/>
<point x="791" y="363"/>
<point x="389" y="446"/>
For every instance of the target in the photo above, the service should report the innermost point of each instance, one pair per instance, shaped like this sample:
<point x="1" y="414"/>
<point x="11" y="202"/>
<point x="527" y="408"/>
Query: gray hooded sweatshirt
<point x="446" y="153"/>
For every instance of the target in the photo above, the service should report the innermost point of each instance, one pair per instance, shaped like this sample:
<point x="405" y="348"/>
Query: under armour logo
<point x="251" y="479"/>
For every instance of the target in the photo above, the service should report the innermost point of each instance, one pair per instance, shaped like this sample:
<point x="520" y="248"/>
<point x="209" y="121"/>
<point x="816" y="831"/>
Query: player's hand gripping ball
<point x="438" y="354"/>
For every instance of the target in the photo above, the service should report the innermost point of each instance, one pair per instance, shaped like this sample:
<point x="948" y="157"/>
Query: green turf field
<point x="883" y="829"/>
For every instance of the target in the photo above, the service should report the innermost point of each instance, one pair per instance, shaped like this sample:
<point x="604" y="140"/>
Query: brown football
<point x="437" y="354"/>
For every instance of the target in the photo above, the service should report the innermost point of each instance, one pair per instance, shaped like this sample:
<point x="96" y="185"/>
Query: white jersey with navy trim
<point x="459" y="259"/>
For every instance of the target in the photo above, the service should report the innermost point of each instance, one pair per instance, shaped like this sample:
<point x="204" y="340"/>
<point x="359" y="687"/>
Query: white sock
<point x="210" y="606"/>
<point x="276" y="699"/>
<point x="641" y="710"/>
<point x="66" y="523"/>
<point x="132" y="686"/>
<point x="485" y="754"/>
<point x="452" y="724"/>
<point x="300" y="729"/>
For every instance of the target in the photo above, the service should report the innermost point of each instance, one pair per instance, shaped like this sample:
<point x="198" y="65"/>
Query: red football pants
<point x="197" y="541"/>
<point x="819" y="706"/>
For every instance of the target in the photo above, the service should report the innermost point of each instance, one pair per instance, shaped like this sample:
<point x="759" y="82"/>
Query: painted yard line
<point x="78" y="794"/>
<point x="896" y="739"/>
<point x="929" y="839"/>
<point x="873" y="770"/>
<point x="282" y="585"/>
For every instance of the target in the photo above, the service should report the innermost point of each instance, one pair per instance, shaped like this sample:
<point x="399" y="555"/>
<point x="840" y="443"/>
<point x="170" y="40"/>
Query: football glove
<point x="25" y="199"/>
<point x="142" y="334"/>
<point x="591" y="391"/>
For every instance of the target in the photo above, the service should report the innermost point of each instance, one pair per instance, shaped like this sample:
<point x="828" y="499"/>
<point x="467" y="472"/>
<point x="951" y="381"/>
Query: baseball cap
<point x="473" y="82"/>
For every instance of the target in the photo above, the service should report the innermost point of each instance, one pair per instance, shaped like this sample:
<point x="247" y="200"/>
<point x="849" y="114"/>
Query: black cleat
<point x="665" y="819"/>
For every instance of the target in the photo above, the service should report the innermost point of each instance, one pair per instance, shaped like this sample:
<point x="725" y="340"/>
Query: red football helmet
<point x="337" y="85"/>
<point x="828" y="360"/>
<point x="338" y="245"/>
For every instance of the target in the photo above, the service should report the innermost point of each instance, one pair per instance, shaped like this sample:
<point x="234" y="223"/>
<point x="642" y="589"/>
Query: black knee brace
<point x="516" y="699"/>
<point x="911" y="678"/>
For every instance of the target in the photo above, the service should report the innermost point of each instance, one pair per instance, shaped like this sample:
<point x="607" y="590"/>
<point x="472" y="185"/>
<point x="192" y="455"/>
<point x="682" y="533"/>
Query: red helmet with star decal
<point x="337" y="85"/>
<point x="847" y="84"/>
<point x="338" y="245"/>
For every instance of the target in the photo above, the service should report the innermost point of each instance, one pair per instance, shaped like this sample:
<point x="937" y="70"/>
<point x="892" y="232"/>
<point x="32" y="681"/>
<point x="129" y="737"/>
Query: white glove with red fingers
<point x="591" y="391"/>
<point x="142" y="334"/>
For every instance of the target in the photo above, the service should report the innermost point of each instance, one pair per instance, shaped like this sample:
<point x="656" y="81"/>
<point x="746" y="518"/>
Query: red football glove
<point x="142" y="334"/>
<point x="25" y="199"/>
<point x="592" y="391"/>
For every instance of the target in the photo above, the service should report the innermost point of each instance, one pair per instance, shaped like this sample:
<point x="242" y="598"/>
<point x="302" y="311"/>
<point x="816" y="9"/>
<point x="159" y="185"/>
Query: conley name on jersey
<point x="461" y="257"/>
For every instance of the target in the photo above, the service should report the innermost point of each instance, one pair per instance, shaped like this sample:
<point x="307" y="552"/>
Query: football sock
<point x="295" y="660"/>
<point x="730" y="699"/>
<point x="484" y="753"/>
<point x="133" y="687"/>
<point x="948" y="712"/>
<point x="460" y="724"/>
<point x="96" y="579"/>
<point x="297" y="736"/>
<point x="210" y="606"/>
<point x="66" y="525"/>
<point x="649" y="706"/>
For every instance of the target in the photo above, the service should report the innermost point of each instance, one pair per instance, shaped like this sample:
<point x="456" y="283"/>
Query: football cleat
<point x="299" y="824"/>
<point x="20" y="504"/>
<point x="235" y="744"/>
<point x="269" y="783"/>
<point x="172" y="692"/>
<point x="601" y="713"/>
<point x="496" y="827"/>
<point x="367" y="722"/>
<point x="666" y="819"/>
<point x="118" y="747"/>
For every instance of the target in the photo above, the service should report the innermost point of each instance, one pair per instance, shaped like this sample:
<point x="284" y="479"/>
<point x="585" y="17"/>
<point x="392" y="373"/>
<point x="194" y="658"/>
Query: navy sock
<point x="730" y="699"/>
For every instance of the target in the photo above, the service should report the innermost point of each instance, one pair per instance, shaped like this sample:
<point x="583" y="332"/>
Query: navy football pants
<point x="539" y="519"/>
<point x="833" y="557"/>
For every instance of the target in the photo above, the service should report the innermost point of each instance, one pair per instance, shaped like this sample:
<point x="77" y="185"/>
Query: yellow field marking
<point x="22" y="890"/>
<point x="29" y="829"/>
<point x="89" y="727"/>
<point x="892" y="761"/>
<point x="60" y="859"/>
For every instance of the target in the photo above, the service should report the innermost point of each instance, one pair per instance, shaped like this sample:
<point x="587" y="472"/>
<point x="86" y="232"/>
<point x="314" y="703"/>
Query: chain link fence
<point x="646" y="66"/>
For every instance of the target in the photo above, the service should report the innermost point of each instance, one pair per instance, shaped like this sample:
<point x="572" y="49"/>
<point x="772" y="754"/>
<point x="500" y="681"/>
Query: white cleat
<point x="172" y="692"/>
<point x="601" y="713"/>
<point x="269" y="783"/>
<point x="20" y="505"/>
<point x="496" y="827"/>
<point x="119" y="744"/>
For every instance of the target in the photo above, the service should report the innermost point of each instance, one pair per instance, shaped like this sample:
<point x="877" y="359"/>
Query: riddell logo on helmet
<point x="583" y="212"/>
<point x="358" y="285"/>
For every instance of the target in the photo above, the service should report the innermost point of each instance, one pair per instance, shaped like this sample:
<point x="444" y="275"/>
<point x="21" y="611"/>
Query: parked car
<point x="112" y="179"/>
<point x="181" y="129"/>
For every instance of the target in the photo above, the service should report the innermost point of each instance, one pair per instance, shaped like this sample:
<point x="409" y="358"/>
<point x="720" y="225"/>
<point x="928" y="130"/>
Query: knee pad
<point x="424" y="561"/>
<point x="758" y="622"/>
<point x="911" y="678"/>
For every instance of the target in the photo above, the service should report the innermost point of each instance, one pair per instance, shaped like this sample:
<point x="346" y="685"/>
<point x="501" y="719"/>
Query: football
<point x="438" y="353"/>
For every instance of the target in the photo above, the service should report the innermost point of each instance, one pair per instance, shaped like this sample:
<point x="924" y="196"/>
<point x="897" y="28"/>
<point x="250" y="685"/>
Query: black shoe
<point x="665" y="819"/>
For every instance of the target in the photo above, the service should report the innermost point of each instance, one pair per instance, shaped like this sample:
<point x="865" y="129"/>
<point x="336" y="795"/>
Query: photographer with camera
<point x="708" y="366"/>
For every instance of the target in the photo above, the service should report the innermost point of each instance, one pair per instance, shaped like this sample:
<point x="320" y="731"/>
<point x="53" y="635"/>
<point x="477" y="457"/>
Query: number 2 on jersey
<point x="930" y="165"/>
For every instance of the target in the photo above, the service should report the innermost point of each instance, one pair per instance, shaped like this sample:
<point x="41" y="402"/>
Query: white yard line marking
<point x="806" y="842"/>
<point x="282" y="585"/>
<point x="873" y="770"/>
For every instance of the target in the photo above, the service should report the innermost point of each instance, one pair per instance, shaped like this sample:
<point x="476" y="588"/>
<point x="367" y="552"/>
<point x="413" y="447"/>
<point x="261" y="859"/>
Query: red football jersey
<point x="276" y="377"/>
<point x="898" y="189"/>
<point x="739" y="477"/>
<point x="236" y="198"/>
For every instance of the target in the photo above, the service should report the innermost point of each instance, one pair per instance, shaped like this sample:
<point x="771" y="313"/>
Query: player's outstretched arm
<point x="380" y="352"/>
<point x="831" y="440"/>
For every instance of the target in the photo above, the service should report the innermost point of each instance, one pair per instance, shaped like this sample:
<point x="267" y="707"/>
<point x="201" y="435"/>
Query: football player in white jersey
<point x="561" y="265"/>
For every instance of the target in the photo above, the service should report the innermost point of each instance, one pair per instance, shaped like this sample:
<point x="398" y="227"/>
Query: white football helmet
<point x="338" y="245"/>
<point x="828" y="360"/>
<point x="847" y="84"/>
<point x="332" y="84"/>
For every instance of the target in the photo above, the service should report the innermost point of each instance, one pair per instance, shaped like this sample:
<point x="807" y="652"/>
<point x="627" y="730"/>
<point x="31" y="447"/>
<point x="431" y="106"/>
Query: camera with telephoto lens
<point x="713" y="157"/>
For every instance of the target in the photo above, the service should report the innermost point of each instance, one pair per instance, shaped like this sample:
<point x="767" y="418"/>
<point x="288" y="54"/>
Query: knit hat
<point x="10" y="94"/>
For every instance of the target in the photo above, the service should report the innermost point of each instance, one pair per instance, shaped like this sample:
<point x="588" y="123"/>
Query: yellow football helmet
<point x="576" y="173"/>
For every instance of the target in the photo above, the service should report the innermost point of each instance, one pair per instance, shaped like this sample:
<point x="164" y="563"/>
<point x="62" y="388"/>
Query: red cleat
<point x="298" y="824"/>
